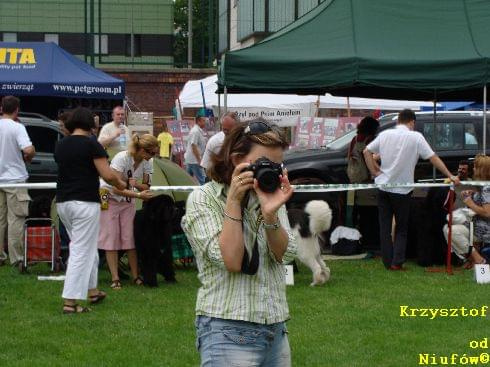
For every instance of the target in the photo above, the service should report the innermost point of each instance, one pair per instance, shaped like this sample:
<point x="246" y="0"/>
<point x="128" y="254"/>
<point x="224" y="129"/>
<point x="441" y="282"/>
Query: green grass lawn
<point x="354" y="320"/>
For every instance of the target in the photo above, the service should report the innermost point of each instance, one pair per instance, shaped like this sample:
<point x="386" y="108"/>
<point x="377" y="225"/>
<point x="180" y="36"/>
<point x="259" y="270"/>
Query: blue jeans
<point x="197" y="171"/>
<point x="225" y="343"/>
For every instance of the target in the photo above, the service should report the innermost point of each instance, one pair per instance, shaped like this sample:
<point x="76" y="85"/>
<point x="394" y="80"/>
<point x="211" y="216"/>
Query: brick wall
<point x="156" y="91"/>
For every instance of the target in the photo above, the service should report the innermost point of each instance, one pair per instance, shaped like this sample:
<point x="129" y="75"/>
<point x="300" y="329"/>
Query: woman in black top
<point x="81" y="160"/>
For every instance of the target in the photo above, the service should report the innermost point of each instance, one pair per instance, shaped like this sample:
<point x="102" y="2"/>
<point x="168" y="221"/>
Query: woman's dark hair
<point x="64" y="117"/>
<point x="81" y="118"/>
<point x="239" y="142"/>
<point x="368" y="126"/>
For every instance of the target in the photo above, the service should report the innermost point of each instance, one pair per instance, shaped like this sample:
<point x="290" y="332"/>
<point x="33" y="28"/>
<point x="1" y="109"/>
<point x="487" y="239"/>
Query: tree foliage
<point x="202" y="29"/>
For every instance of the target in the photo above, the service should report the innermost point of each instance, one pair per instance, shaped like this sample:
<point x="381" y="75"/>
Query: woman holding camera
<point x="116" y="223"/>
<point x="240" y="234"/>
<point x="80" y="162"/>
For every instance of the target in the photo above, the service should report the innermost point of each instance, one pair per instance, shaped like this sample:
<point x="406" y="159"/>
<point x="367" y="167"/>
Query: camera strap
<point x="250" y="265"/>
<point x="130" y="175"/>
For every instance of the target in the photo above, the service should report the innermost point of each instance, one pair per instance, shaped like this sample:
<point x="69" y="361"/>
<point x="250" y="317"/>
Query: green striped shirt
<point x="259" y="298"/>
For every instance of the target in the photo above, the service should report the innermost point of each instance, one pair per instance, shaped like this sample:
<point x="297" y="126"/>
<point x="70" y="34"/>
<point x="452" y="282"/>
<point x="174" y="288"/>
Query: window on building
<point x="101" y="44"/>
<point x="223" y="26"/>
<point x="281" y="13"/>
<point x="304" y="6"/>
<point x="251" y="18"/>
<point x="10" y="37"/>
<point x="133" y="45"/>
<point x="50" y="37"/>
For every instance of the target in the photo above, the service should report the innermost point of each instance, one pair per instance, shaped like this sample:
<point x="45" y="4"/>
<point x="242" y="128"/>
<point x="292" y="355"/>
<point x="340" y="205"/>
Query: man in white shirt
<point x="214" y="144"/>
<point x="110" y="132"/>
<point x="399" y="150"/>
<point x="15" y="149"/>
<point x="196" y="144"/>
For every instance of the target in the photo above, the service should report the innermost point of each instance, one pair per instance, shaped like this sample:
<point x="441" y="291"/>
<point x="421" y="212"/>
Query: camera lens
<point x="268" y="179"/>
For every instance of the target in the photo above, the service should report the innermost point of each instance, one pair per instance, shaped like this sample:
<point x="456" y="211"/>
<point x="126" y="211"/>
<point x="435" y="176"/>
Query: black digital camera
<point x="267" y="174"/>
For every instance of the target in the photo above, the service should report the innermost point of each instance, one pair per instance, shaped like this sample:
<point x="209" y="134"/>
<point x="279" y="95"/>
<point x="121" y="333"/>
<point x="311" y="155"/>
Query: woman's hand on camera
<point x="240" y="183"/>
<point x="270" y="202"/>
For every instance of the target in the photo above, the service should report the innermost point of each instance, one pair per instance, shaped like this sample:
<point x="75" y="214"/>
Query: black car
<point x="44" y="134"/>
<point x="457" y="136"/>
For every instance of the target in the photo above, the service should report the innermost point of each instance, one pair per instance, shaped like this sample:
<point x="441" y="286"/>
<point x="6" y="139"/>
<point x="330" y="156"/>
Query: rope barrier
<point x="302" y="189"/>
<point x="297" y="188"/>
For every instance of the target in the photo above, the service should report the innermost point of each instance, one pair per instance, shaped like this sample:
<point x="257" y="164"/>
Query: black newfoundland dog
<point x="153" y="239"/>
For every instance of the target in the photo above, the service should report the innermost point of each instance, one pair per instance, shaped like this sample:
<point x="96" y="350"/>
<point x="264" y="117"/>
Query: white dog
<point x="307" y="225"/>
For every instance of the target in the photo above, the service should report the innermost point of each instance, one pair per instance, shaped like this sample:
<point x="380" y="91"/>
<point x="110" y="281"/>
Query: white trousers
<point x="81" y="220"/>
<point x="460" y="238"/>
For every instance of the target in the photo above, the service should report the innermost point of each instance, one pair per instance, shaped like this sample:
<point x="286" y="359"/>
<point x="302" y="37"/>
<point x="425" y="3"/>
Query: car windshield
<point x="341" y="141"/>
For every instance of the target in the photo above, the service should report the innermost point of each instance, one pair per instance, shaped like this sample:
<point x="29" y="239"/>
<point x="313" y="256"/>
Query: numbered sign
<point x="482" y="273"/>
<point x="289" y="273"/>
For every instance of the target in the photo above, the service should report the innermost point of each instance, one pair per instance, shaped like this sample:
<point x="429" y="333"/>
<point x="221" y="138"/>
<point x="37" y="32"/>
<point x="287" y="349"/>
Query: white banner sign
<point x="280" y="117"/>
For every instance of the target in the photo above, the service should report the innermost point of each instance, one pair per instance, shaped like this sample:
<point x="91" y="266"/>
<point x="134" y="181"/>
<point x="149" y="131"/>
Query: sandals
<point x="116" y="285"/>
<point x="73" y="309"/>
<point x="138" y="281"/>
<point x="96" y="298"/>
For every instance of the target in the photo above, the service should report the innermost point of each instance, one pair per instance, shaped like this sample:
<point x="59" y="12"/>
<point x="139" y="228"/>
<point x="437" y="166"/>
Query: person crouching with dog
<point x="239" y="231"/>
<point x="116" y="221"/>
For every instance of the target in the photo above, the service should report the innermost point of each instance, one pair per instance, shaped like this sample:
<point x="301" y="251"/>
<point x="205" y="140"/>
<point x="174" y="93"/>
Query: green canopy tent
<point x="394" y="49"/>
<point x="397" y="49"/>
<point x="167" y="173"/>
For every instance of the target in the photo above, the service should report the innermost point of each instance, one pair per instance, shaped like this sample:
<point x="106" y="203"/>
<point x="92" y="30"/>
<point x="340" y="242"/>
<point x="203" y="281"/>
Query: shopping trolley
<point x="42" y="243"/>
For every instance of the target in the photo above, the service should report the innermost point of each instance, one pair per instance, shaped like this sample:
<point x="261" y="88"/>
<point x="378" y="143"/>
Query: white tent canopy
<point x="191" y="97"/>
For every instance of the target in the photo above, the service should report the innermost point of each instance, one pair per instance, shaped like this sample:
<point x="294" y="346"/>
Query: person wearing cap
<point x="196" y="144"/>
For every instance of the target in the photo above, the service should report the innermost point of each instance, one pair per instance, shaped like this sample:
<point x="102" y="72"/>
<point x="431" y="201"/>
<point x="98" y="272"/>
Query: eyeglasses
<point x="256" y="127"/>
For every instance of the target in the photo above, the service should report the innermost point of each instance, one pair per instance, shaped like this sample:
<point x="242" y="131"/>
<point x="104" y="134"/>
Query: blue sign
<point x="44" y="69"/>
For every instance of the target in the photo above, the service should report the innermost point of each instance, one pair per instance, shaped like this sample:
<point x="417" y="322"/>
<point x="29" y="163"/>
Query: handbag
<point x="357" y="170"/>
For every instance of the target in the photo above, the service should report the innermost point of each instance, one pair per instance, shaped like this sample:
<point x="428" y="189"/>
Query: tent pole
<point x="92" y="31"/>
<point x="219" y="104"/>
<point x="434" y="109"/>
<point x="189" y="34"/>
<point x="484" y="119"/>
<point x="348" y="107"/>
<point x="226" y="100"/>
